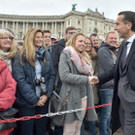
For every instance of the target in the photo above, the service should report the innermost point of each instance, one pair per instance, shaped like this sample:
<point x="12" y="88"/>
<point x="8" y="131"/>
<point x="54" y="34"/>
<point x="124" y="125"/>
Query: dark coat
<point x="25" y="77"/>
<point x="106" y="61"/>
<point x="130" y="72"/>
<point x="56" y="51"/>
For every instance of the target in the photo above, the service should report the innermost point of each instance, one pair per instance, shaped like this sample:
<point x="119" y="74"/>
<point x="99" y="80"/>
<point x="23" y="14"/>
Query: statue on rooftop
<point x="73" y="7"/>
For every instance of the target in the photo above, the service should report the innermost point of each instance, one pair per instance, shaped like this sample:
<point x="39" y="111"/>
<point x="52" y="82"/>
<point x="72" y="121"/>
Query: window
<point x="69" y="22"/>
<point x="95" y="31"/>
<point x="20" y="35"/>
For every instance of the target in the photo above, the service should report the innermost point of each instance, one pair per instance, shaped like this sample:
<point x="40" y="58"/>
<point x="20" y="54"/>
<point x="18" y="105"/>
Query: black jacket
<point x="56" y="51"/>
<point x="130" y="72"/>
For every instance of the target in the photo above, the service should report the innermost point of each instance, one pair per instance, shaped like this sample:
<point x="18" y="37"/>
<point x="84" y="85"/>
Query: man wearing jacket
<point x="123" y="107"/>
<point x="106" y="61"/>
<point x="59" y="46"/>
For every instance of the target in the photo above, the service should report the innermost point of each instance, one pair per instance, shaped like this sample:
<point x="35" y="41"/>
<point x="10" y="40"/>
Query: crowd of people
<point x="83" y="71"/>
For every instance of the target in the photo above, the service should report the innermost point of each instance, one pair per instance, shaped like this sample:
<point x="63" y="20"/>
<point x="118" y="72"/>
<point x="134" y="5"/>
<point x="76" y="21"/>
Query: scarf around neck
<point x="81" y="65"/>
<point x="40" y="53"/>
<point x="6" y="59"/>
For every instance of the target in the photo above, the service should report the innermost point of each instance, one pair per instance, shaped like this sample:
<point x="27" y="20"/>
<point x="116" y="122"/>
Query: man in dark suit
<point x="123" y="107"/>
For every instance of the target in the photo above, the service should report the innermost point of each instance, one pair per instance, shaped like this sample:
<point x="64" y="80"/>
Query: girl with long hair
<point x="75" y="72"/>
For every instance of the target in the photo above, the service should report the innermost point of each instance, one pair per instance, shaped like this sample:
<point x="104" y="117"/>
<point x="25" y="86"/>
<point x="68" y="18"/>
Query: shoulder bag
<point x="56" y="105"/>
<point x="8" y="114"/>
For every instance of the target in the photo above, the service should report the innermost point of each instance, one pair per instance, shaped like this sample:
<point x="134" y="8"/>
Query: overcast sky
<point x="60" y="7"/>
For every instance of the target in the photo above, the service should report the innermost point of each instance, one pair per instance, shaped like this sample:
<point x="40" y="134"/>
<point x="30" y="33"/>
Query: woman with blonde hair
<point x="7" y="47"/>
<point x="7" y="83"/>
<point x="34" y="73"/>
<point x="91" y="125"/>
<point x="93" y="57"/>
<point x="75" y="72"/>
<point x="90" y="49"/>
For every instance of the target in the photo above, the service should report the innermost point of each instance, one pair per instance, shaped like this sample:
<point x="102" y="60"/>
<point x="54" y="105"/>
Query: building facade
<point x="86" y="22"/>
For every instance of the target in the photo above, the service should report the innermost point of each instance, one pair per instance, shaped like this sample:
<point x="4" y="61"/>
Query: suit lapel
<point x="132" y="50"/>
<point x="119" y="55"/>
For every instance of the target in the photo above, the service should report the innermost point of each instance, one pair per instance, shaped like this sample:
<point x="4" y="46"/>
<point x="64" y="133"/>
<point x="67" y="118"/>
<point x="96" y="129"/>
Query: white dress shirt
<point x="130" y="40"/>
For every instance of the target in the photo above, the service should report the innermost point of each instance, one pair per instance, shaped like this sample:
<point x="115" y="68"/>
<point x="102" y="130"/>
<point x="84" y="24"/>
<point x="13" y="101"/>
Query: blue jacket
<point x="25" y="77"/>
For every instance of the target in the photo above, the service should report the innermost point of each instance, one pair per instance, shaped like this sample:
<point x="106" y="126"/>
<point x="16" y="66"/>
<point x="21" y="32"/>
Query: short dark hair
<point x="70" y="28"/>
<point x="129" y="16"/>
<point x="46" y="31"/>
<point x="93" y="35"/>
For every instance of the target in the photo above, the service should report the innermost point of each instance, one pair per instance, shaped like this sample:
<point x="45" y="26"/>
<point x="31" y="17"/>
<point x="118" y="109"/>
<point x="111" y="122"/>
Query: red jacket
<point x="7" y="91"/>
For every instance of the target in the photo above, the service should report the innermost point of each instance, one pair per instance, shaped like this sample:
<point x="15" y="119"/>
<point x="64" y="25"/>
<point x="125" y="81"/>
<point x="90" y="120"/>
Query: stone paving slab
<point x="118" y="132"/>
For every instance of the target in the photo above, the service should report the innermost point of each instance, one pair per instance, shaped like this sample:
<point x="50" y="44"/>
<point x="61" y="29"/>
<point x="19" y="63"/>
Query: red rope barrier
<point x="38" y="116"/>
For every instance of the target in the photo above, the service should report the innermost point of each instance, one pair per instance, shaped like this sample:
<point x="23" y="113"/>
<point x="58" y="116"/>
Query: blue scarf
<point x="40" y="53"/>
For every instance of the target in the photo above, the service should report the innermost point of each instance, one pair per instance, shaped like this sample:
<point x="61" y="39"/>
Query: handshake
<point x="93" y="80"/>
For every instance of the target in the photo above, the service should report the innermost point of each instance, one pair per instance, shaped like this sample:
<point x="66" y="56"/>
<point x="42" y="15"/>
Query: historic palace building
<point x="86" y="22"/>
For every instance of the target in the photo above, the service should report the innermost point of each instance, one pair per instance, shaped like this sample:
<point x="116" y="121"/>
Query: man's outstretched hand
<point x="93" y="80"/>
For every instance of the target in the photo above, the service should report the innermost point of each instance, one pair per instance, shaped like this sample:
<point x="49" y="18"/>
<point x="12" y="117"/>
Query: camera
<point x="41" y="82"/>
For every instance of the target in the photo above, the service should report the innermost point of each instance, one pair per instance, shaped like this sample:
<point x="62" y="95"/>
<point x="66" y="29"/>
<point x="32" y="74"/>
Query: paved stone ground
<point x="119" y="132"/>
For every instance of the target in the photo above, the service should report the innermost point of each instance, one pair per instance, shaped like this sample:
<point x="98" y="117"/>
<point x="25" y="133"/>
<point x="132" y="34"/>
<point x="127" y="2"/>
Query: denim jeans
<point x="105" y="116"/>
<point x="90" y="127"/>
<point x="82" y="129"/>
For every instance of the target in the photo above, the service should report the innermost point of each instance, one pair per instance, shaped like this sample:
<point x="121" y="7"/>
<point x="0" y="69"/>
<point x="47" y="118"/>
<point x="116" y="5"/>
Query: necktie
<point x="123" y="55"/>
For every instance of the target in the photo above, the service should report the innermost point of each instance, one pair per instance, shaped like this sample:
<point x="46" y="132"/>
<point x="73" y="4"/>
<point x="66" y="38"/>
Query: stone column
<point x="13" y="28"/>
<point x="55" y="26"/>
<point x="17" y="30"/>
<point x="52" y="29"/>
<point x="88" y="27"/>
<point x="61" y="31"/>
<point x="6" y="24"/>
<point x="85" y="28"/>
<point x="36" y="24"/>
<point x="46" y="26"/>
<point x="43" y="26"/>
<point x="33" y="24"/>
<point x="23" y="28"/>
<point x="26" y="27"/>
<point x="2" y="24"/>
